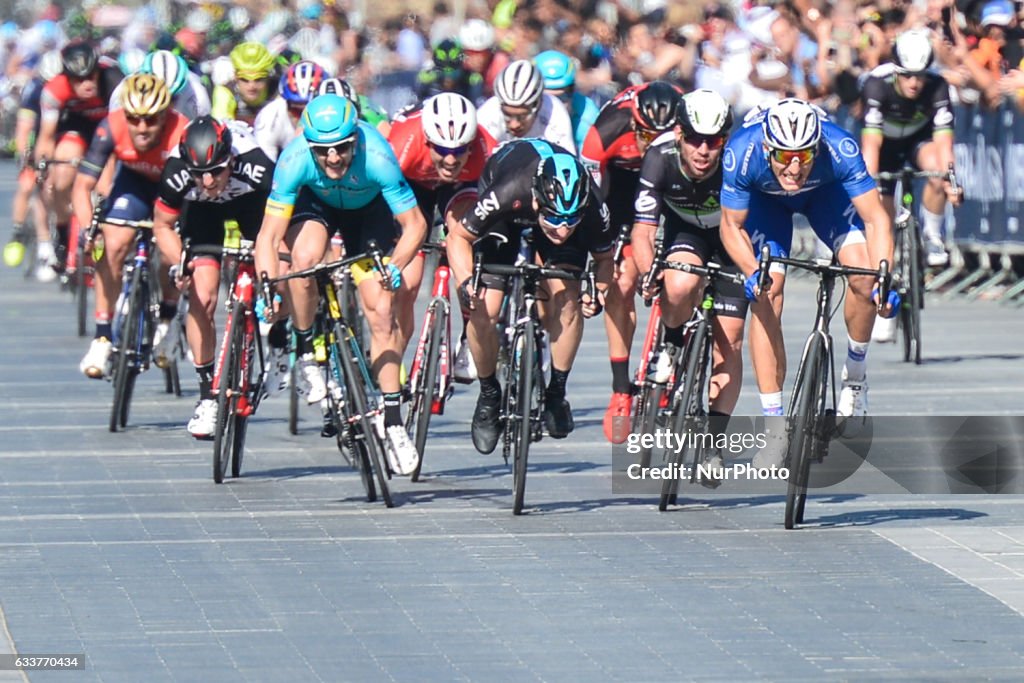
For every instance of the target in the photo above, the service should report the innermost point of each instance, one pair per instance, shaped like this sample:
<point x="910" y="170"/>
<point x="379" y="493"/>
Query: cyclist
<point x="447" y="74"/>
<point x="559" y="73"/>
<point x="367" y="111"/>
<point x="341" y="174"/>
<point x="25" y="134"/>
<point x="140" y="136"/>
<point x="477" y="40"/>
<point x="530" y="184"/>
<point x="276" y="124"/>
<point x="907" y="118"/>
<point x="785" y="159"/>
<point x="217" y="173"/>
<point x="70" y="108"/>
<point x="680" y="183"/>
<point x="613" y="151"/>
<point x="254" y="84"/>
<point x="442" y="149"/>
<point x="521" y="109"/>
<point x="188" y="95"/>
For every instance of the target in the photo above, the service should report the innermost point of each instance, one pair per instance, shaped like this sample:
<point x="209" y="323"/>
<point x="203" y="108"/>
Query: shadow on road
<point x="966" y="358"/>
<point x="872" y="517"/>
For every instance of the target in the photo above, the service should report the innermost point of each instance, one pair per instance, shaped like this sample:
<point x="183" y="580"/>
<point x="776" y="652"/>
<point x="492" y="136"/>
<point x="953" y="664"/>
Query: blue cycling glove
<point x="393" y="274"/>
<point x="263" y="311"/>
<point x="750" y="286"/>
<point x="894" y="301"/>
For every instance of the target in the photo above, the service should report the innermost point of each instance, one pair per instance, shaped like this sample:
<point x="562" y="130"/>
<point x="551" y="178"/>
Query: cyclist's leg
<point x="681" y="291"/>
<point x="929" y="156"/>
<point x="462" y="200"/>
<point x="307" y="241"/>
<point x="891" y="159"/>
<point x="727" y="352"/>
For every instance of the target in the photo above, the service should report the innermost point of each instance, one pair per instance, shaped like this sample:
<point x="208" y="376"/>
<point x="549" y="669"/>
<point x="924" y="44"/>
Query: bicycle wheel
<point x="805" y="413"/>
<point x="228" y="392"/>
<point x="916" y="291"/>
<point x="689" y="407"/>
<point x="356" y="395"/>
<point x="244" y="389"/>
<point x="126" y="365"/>
<point x="81" y="290"/>
<point x="523" y="360"/>
<point x="293" y="401"/>
<point x="353" y="449"/>
<point x="426" y="383"/>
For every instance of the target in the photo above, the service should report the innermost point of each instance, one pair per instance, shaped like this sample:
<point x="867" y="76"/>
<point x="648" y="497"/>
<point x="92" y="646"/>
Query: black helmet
<point x="656" y="106"/>
<point x="205" y="144"/>
<point x="561" y="185"/>
<point x="79" y="59"/>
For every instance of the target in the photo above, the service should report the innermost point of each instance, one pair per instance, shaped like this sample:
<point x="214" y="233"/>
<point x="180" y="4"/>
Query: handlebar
<point x="824" y="267"/>
<point x="125" y="223"/>
<point x="372" y="252"/>
<point x="949" y="174"/>
<point x="709" y="270"/>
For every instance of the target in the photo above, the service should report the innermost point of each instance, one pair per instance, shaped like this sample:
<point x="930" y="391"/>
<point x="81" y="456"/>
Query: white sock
<point x="932" y="225"/>
<point x="45" y="250"/>
<point x="771" y="404"/>
<point x="856" y="367"/>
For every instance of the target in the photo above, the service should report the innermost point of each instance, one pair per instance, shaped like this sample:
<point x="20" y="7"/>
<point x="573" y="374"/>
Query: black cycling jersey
<point x="468" y="84"/>
<point x="663" y="184"/>
<point x="898" y="117"/>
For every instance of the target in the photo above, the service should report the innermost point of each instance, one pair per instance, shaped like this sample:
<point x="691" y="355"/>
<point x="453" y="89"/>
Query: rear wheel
<point x="228" y="393"/>
<point x="804" y="419"/>
<point x="126" y="366"/>
<point x="689" y="410"/>
<point x="427" y="383"/>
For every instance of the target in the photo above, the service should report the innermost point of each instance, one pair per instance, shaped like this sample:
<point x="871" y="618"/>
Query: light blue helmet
<point x="329" y="119"/>
<point x="557" y="69"/>
<point x="9" y="32"/>
<point x="168" y="67"/>
<point x="561" y="185"/>
<point x="131" y="60"/>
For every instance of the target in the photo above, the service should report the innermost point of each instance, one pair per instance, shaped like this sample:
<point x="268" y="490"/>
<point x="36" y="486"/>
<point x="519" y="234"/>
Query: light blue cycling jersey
<point x="584" y="114"/>
<point x="747" y="170"/>
<point x="374" y="171"/>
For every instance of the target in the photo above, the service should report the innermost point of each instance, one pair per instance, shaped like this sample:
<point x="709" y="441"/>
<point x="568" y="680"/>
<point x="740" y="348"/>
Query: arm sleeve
<point x="386" y="172"/>
<point x="175" y="183"/>
<point x="942" y="117"/>
<point x="100" y="149"/>
<point x="223" y="104"/>
<point x="735" y="185"/>
<point x="871" y="98"/>
<point x="289" y="176"/>
<point x="647" y="202"/>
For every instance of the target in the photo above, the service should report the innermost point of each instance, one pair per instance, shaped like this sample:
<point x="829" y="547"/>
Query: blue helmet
<point x="329" y="119"/>
<point x="557" y="69"/>
<point x="561" y="185"/>
<point x="169" y="67"/>
<point x="131" y="60"/>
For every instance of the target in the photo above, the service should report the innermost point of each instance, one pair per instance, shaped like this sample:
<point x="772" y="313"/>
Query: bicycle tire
<point x="293" y="401"/>
<point x="429" y="379"/>
<point x="245" y="363"/>
<point x="902" y="252"/>
<point x="123" y="371"/>
<point x="227" y="397"/>
<point x="646" y="420"/>
<point x="690" y="404"/>
<point x="916" y="288"/>
<point x="175" y="378"/>
<point x="356" y="394"/>
<point x="803" y="425"/>
<point x="524" y="362"/>
<point x="81" y="291"/>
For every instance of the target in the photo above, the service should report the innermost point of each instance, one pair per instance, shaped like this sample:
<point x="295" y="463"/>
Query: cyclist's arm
<point x="459" y="246"/>
<point x="81" y="197"/>
<point x="175" y="183"/>
<point x="268" y="241"/>
<point x="736" y="240"/>
<point x="871" y="140"/>
<point x="46" y="141"/>
<point x="167" y="239"/>
<point x="23" y="132"/>
<point x="414" y="234"/>
<point x="223" y="104"/>
<point x="647" y="205"/>
<point x="877" y="226"/>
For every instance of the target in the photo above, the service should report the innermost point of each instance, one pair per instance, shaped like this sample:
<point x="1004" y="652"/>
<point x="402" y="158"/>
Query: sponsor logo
<point x="486" y="205"/>
<point x="729" y="160"/>
<point x="943" y="117"/>
<point x="253" y="171"/>
<point x="179" y="181"/>
<point x="849" y="148"/>
<point x="645" y="203"/>
<point x="874" y="117"/>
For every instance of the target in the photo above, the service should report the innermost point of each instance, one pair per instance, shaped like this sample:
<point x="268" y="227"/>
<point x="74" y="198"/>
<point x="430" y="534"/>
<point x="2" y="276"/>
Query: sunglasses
<point x="213" y="170"/>
<point x="525" y="116"/>
<point x="712" y="141"/>
<point x="646" y="136"/>
<point x="786" y="156"/>
<point x="340" y="148"/>
<point x="453" y="151"/>
<point x="562" y="221"/>
<point x="150" y="120"/>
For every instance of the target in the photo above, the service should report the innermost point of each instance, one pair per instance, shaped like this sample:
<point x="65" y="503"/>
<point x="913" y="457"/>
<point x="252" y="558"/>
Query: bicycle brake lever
<point x="884" y="284"/>
<point x="763" y="279"/>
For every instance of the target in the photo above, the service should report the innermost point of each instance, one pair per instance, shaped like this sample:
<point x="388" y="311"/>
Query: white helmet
<point x="239" y="18"/>
<point x="791" y="124"/>
<point x="704" y="112"/>
<point x="50" y="66"/>
<point x="519" y="84"/>
<point x="476" y="34"/>
<point x="449" y="120"/>
<point x="913" y="52"/>
<point x="222" y="71"/>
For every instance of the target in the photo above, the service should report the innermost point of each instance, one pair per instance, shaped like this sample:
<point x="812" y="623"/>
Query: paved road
<point x="120" y="547"/>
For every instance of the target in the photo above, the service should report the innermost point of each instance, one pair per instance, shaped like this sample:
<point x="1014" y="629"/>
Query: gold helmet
<point x="144" y="95"/>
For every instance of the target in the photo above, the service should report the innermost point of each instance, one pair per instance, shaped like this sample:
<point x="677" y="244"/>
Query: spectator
<point x="410" y="44"/>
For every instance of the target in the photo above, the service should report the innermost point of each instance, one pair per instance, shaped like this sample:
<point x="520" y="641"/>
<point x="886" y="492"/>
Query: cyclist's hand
<point x="648" y="287"/>
<point x="892" y="305"/>
<point x="180" y="278"/>
<point x="591" y="306"/>
<point x="954" y="195"/>
<point x="467" y="295"/>
<point x="392" y="276"/>
<point x="267" y="312"/>
<point x="751" y="289"/>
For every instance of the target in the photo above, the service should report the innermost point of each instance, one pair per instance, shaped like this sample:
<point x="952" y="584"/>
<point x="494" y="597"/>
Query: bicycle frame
<point x="243" y="293"/>
<point x="440" y="300"/>
<point x="140" y="262"/>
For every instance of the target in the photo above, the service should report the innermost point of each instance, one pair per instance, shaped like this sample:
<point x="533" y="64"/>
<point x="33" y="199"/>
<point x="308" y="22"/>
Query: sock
<point x="62" y="234"/>
<point x="556" y="387"/>
<point x="771" y="404"/>
<point x="205" y="373"/>
<point x="856" y="360"/>
<point x="674" y="336"/>
<point x="304" y="341"/>
<point x="620" y="376"/>
<point x="103" y="329"/>
<point x="168" y="309"/>
<point x="18" y="232"/>
<point x="393" y="409"/>
<point x="278" y="335"/>
<point x="931" y="225"/>
<point x="489" y="386"/>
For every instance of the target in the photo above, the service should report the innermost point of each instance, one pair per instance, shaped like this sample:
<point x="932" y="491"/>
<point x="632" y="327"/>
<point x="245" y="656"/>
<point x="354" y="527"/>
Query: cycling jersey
<point x="29" y="105"/>
<point x="58" y="101"/>
<point x="413" y="152"/>
<point x="370" y="112"/>
<point x="433" y="82"/>
<point x="374" y="171"/>
<point x="226" y="104"/>
<point x="112" y="137"/>
<point x="505" y="205"/>
<point x="552" y="123"/>
<point x="584" y="115"/>
<point x="838" y="175"/>
<point x="897" y="117"/>
<point x="274" y="127"/>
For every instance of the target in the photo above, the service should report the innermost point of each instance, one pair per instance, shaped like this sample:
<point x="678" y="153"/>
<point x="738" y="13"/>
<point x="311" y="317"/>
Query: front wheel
<point x="804" y="420"/>
<point x="228" y="393"/>
<point x="126" y="367"/>
<point x="427" y="383"/>
<point x="523" y="361"/>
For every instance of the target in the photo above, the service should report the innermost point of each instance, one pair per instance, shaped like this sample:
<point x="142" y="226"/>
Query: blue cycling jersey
<point x="374" y="171"/>
<point x="747" y="170"/>
<point x="584" y="113"/>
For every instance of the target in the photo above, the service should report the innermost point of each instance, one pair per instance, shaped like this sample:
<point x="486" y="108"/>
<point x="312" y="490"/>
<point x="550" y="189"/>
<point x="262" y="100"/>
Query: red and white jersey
<point x="410" y="146"/>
